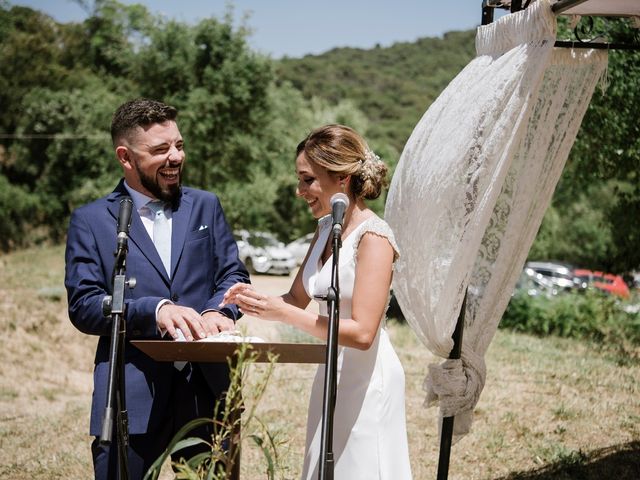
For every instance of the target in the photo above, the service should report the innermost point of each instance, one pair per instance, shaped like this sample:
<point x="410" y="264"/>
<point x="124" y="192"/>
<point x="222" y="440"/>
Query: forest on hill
<point x="242" y="114"/>
<point x="393" y="86"/>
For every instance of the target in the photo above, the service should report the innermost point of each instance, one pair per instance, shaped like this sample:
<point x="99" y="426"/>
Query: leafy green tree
<point x="114" y="32"/>
<point x="225" y="105"/>
<point x="393" y="86"/>
<point x="607" y="153"/>
<point x="267" y="200"/>
<point x="29" y="57"/>
<point x="66" y="156"/>
<point x="164" y="66"/>
<point x="17" y="208"/>
<point x="580" y="234"/>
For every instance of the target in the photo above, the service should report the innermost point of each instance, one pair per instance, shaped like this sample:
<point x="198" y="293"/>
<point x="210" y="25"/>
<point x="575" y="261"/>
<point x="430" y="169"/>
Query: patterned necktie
<point x="161" y="233"/>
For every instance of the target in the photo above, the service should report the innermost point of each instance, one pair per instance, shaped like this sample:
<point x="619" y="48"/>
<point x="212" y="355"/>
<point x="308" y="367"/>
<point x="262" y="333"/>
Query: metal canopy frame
<point x="488" y="7"/>
<point x="561" y="7"/>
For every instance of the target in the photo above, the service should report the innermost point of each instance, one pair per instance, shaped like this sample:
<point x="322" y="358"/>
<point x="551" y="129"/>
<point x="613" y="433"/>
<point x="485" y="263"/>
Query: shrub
<point x="16" y="214"/>
<point x="588" y="316"/>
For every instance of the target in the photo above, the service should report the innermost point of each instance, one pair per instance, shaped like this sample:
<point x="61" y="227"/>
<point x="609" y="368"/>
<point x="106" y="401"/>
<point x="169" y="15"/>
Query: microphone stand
<point x="330" y="381"/>
<point x="114" y="306"/>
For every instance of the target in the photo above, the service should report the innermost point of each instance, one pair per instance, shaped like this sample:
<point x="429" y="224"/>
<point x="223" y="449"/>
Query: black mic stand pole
<point x="330" y="380"/>
<point x="114" y="305"/>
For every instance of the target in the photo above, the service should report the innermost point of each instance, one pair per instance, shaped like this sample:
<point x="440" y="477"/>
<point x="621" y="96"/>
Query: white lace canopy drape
<point x="472" y="185"/>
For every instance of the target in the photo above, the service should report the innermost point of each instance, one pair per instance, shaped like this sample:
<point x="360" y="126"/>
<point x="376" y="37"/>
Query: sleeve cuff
<point x="162" y="302"/>
<point x="221" y="312"/>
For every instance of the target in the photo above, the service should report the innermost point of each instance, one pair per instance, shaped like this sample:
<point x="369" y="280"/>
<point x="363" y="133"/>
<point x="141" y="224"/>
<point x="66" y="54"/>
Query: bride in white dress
<point x="369" y="428"/>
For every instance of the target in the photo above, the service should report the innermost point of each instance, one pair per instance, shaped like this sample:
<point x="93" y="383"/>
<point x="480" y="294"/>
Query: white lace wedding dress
<point x="369" y="428"/>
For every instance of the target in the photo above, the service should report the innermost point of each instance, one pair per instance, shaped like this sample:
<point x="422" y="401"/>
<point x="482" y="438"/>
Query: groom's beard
<point x="168" y="193"/>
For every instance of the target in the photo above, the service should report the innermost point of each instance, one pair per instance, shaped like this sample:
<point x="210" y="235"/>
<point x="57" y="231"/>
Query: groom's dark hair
<point x="140" y="112"/>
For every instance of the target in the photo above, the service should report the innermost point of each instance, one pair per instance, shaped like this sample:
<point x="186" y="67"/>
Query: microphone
<point x="124" y="221"/>
<point x="339" y="204"/>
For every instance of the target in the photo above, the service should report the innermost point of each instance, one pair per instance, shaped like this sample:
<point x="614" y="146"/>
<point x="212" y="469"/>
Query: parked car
<point x="560" y="275"/>
<point x="606" y="282"/>
<point x="261" y="252"/>
<point x="535" y="284"/>
<point x="299" y="247"/>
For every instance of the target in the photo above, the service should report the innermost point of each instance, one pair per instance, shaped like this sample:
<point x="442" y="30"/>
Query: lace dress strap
<point x="379" y="227"/>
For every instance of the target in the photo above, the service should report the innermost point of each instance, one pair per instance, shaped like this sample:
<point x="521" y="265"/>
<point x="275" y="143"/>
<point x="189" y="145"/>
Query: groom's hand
<point x="191" y="323"/>
<point x="218" y="322"/>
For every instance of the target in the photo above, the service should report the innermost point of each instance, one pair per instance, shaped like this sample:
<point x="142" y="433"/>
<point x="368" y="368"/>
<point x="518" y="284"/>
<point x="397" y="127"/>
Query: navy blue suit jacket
<point x="204" y="264"/>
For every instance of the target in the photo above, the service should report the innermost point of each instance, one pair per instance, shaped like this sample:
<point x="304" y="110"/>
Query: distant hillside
<point x="393" y="85"/>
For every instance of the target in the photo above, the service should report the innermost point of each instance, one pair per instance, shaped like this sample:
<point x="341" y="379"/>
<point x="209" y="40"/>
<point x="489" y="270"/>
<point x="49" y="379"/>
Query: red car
<point x="607" y="282"/>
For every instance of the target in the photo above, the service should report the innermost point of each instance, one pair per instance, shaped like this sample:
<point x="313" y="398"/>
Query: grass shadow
<point x="619" y="462"/>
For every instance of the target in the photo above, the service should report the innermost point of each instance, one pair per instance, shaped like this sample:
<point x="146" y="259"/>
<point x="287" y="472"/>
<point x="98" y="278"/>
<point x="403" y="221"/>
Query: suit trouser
<point x="191" y="398"/>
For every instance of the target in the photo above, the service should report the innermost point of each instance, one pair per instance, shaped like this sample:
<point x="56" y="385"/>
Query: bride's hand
<point x="230" y="295"/>
<point x="251" y="302"/>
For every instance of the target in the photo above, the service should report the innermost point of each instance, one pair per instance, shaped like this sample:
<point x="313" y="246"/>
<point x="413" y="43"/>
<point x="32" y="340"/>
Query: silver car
<point x="559" y="275"/>
<point x="261" y="252"/>
<point x="300" y="246"/>
<point x="534" y="284"/>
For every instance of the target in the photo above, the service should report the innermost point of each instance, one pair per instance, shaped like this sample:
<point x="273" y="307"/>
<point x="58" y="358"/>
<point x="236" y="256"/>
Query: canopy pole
<point x="446" y="433"/>
<point x="563" y="5"/>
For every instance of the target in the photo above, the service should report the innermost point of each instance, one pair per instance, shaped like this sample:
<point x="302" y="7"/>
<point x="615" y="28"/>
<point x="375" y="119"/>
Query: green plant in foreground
<point x="560" y="455"/>
<point x="227" y="421"/>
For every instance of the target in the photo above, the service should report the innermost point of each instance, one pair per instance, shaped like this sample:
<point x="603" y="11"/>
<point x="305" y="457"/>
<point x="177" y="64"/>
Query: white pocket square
<point x="203" y="227"/>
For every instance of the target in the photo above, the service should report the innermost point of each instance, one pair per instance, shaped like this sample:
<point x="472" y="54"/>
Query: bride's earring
<point x="342" y="186"/>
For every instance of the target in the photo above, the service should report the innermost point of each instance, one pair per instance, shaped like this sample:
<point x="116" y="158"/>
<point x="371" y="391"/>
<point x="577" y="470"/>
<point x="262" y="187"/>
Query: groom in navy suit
<point x="181" y="297"/>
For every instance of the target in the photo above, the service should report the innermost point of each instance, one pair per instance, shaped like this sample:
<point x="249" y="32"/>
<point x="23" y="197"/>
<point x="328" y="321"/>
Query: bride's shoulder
<point x="377" y="226"/>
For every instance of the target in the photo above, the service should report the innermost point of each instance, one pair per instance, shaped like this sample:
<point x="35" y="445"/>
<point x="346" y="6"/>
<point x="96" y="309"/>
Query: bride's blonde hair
<point x="342" y="151"/>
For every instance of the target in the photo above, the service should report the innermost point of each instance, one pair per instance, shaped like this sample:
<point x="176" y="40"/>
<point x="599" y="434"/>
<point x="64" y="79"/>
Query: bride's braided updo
<point x="342" y="151"/>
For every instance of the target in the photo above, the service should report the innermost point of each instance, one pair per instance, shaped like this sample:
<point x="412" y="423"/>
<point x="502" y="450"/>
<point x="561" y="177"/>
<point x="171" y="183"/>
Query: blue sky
<point x="298" y="27"/>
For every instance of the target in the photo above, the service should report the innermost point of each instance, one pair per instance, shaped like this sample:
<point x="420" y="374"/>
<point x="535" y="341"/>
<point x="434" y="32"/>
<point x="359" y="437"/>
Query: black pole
<point x="487" y="13"/>
<point x="447" y="422"/>
<point x="114" y="306"/>
<point x="597" y="45"/>
<point x="329" y="398"/>
<point x="563" y="5"/>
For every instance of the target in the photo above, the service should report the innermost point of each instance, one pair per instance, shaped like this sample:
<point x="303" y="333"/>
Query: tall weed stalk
<point x="234" y="420"/>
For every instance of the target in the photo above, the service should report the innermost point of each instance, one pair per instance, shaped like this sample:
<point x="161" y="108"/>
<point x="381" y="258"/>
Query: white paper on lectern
<point x="226" y="336"/>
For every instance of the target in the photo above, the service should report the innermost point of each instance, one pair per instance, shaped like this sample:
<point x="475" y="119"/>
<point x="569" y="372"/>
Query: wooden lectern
<point x="222" y="352"/>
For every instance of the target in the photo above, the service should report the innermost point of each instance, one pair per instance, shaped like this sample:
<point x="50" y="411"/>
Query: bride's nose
<point x="300" y="189"/>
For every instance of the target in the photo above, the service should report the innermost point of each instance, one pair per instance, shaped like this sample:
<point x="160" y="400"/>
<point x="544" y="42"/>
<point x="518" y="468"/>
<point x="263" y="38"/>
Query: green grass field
<point x="551" y="409"/>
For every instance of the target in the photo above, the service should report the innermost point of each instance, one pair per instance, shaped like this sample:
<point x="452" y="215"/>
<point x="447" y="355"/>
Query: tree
<point x="607" y="153"/>
<point x="29" y="57"/>
<point x="66" y="158"/>
<point x="115" y="32"/>
<point x="16" y="212"/>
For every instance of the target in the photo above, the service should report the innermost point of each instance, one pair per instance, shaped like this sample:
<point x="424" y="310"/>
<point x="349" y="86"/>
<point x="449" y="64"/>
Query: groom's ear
<point x="124" y="156"/>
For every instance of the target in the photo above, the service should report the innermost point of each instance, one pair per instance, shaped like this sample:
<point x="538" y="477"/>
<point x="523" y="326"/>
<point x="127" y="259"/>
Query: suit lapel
<point x="137" y="233"/>
<point x="179" y="226"/>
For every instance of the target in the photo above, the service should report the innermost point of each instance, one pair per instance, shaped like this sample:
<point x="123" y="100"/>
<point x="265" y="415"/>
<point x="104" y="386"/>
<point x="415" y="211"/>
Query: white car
<point x="261" y="252"/>
<point x="559" y="275"/>
<point x="299" y="247"/>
